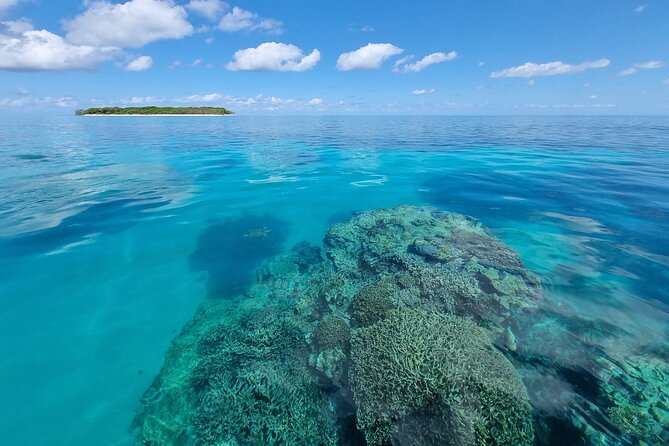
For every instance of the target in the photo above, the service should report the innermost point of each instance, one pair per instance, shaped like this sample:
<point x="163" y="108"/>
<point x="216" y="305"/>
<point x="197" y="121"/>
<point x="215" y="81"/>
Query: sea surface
<point x="113" y="232"/>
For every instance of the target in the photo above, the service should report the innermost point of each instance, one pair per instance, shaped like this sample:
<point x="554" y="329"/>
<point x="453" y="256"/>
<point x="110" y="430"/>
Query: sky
<point x="338" y="57"/>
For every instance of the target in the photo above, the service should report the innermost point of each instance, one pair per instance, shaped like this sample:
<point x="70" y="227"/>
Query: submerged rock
<point x="392" y="329"/>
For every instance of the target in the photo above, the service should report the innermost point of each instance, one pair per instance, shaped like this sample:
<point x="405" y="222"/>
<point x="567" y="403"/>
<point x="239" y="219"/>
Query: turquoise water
<point x="113" y="232"/>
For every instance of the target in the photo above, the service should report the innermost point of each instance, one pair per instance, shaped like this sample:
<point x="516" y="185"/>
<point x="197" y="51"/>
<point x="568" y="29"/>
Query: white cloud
<point x="628" y="72"/>
<point x="593" y="97"/>
<point x="640" y="9"/>
<point x="142" y="63"/>
<point x="242" y="20"/>
<point x="6" y="4"/>
<point x="401" y="66"/>
<point x="209" y="40"/>
<point x="650" y="65"/>
<point x="143" y="100"/>
<point x="23" y="48"/>
<point x="422" y="92"/>
<point x="272" y="56"/>
<point x="211" y="97"/>
<point x="315" y="101"/>
<point x="531" y="82"/>
<point x="369" y="57"/>
<point x="530" y="69"/>
<point x="132" y="24"/>
<point x="47" y="101"/>
<point x="211" y="9"/>
<point x="196" y="63"/>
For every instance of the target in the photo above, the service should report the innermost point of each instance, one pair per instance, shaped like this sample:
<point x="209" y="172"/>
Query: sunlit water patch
<point x="112" y="234"/>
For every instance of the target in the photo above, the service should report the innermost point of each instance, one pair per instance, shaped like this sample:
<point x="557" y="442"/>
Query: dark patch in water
<point x="30" y="156"/>
<point x="584" y="382"/>
<point x="229" y="251"/>
<point x="340" y="217"/>
<point x="554" y="431"/>
<point x="108" y="217"/>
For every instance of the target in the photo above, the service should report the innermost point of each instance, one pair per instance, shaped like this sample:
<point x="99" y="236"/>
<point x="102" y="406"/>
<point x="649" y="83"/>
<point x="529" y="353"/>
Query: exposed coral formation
<point x="386" y="338"/>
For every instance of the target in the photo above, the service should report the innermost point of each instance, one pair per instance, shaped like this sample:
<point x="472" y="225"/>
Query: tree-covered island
<point x="152" y="110"/>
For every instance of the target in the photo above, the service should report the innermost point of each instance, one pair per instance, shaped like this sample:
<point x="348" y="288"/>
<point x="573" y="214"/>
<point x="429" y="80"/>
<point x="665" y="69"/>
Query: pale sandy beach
<point x="156" y="115"/>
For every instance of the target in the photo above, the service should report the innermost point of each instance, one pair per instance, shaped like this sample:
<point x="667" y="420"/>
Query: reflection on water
<point x="108" y="230"/>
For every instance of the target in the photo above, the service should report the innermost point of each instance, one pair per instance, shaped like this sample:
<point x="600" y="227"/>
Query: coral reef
<point x="332" y="332"/>
<point x="441" y="370"/>
<point x="387" y="337"/>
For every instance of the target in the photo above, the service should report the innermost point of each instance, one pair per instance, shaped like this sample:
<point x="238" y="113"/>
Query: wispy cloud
<point x="641" y="8"/>
<point x="45" y="101"/>
<point x="423" y="92"/>
<point x="211" y="97"/>
<point x="403" y="65"/>
<point x="211" y="9"/>
<point x="242" y="20"/>
<point x="368" y="57"/>
<point x="650" y="65"/>
<point x="142" y="63"/>
<point x="531" y="69"/>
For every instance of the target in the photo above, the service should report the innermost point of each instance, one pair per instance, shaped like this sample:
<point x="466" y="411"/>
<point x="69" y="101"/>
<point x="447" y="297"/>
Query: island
<point x="154" y="111"/>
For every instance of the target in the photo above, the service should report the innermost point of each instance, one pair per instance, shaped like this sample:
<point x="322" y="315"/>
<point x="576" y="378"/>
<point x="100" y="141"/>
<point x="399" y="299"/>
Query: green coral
<point x="370" y="304"/>
<point x="332" y="332"/>
<point x="631" y="420"/>
<point x="267" y="404"/>
<point x="442" y="368"/>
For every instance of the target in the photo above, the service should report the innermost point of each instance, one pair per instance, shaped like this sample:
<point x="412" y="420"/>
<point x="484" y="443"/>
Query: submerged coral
<point x="441" y="370"/>
<point x="387" y="338"/>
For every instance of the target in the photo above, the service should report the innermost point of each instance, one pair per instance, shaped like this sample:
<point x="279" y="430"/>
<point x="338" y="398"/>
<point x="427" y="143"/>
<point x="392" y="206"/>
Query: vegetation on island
<point x="152" y="110"/>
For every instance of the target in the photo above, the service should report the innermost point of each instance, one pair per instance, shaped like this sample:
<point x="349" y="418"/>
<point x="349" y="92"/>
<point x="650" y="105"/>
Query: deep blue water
<point x="113" y="231"/>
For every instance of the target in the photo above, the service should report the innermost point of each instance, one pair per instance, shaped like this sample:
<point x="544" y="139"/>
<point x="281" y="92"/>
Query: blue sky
<point x="306" y="56"/>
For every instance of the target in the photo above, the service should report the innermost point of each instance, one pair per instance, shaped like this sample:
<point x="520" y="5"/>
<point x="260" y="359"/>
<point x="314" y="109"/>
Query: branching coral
<point x="269" y="403"/>
<point x="415" y="362"/>
<point x="370" y="304"/>
<point x="332" y="332"/>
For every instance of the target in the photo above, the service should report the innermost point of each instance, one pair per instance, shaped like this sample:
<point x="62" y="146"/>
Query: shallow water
<point x="112" y="232"/>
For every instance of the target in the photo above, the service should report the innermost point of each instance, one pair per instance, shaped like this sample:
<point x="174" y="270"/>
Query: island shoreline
<point x="163" y="114"/>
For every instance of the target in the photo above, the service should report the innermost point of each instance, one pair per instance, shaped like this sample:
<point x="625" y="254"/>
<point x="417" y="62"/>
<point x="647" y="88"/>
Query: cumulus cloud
<point x="315" y="101"/>
<point x="211" y="9"/>
<point x="242" y="20"/>
<point x="272" y="56"/>
<point x="651" y="65"/>
<point x="132" y="24"/>
<point x="531" y="69"/>
<point x="422" y="92"/>
<point x="402" y="65"/>
<point x="369" y="57"/>
<point x="23" y="48"/>
<point x="142" y="63"/>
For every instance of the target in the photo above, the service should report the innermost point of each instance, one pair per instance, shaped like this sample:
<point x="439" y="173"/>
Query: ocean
<point x="113" y="232"/>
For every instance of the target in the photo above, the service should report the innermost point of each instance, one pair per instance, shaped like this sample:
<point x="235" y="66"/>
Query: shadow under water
<point x="230" y="250"/>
